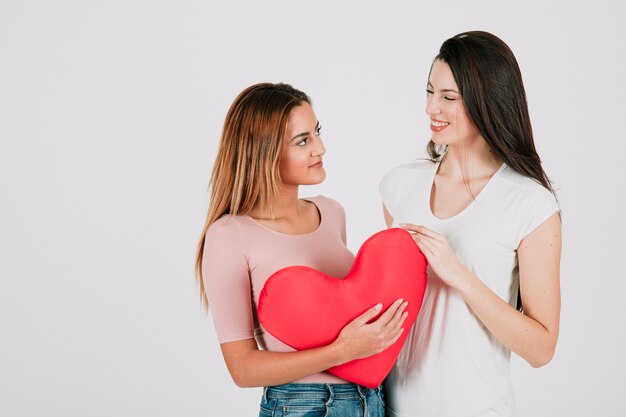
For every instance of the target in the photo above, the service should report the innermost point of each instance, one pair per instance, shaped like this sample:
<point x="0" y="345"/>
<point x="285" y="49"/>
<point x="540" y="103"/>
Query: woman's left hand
<point x="438" y="253"/>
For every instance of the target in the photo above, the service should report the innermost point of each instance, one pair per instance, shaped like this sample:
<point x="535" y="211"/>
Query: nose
<point x="432" y="106"/>
<point x="318" y="149"/>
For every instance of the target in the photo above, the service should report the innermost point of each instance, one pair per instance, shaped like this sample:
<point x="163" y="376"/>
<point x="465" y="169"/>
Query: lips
<point x="317" y="165"/>
<point x="438" y="125"/>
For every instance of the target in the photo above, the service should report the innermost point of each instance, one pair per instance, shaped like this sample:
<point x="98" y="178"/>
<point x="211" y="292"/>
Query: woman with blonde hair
<point x="256" y="225"/>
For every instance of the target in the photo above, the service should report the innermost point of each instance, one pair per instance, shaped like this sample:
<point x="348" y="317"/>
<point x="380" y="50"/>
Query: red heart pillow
<point x="305" y="308"/>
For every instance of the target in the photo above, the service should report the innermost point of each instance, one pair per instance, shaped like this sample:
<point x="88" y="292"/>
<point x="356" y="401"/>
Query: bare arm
<point x="251" y="367"/>
<point x="532" y="334"/>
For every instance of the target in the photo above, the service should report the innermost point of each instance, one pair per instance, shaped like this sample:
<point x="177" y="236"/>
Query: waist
<point x="268" y="342"/>
<point x="348" y="390"/>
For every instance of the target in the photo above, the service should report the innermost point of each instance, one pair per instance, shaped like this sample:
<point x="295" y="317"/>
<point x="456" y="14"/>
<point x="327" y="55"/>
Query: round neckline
<point x="269" y="229"/>
<point x="466" y="208"/>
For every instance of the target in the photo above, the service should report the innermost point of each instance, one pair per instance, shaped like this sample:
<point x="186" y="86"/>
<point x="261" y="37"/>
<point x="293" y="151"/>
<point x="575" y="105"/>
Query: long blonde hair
<point x="246" y="173"/>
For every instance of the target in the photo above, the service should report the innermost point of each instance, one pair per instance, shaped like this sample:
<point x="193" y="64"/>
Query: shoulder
<point x="417" y="167"/>
<point x="412" y="171"/>
<point x="406" y="176"/>
<point x="526" y="204"/>
<point x="227" y="228"/>
<point x="527" y="188"/>
<point x="224" y="246"/>
<point x="327" y="204"/>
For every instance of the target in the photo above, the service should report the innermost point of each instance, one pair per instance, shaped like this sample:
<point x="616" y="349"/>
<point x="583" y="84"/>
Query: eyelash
<point x="305" y="140"/>
<point x="430" y="92"/>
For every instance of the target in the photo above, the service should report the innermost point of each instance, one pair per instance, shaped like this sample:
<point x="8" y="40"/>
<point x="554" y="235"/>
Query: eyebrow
<point x="444" y="90"/>
<point x="300" y="135"/>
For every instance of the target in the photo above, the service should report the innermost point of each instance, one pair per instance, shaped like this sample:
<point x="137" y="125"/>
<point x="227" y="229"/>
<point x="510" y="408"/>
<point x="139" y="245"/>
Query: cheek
<point x="285" y="166"/>
<point x="468" y="126"/>
<point x="462" y="121"/>
<point x="291" y="164"/>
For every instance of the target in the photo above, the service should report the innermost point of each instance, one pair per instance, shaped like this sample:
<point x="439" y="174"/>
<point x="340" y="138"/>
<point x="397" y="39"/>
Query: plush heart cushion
<point x="305" y="308"/>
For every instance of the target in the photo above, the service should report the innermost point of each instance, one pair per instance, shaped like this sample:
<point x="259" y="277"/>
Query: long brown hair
<point x="491" y="87"/>
<point x="246" y="173"/>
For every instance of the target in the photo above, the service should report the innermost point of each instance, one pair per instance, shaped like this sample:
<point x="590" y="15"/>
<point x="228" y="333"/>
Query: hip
<point x="323" y="400"/>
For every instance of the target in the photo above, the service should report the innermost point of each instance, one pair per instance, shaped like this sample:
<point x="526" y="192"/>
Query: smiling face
<point x="449" y="121"/>
<point x="301" y="158"/>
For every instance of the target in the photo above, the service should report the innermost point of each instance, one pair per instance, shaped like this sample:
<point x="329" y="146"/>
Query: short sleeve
<point x="538" y="205"/>
<point x="226" y="280"/>
<point x="387" y="189"/>
<point x="400" y="185"/>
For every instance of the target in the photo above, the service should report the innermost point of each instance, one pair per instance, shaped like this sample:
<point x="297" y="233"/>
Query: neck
<point x="286" y="206"/>
<point x="472" y="160"/>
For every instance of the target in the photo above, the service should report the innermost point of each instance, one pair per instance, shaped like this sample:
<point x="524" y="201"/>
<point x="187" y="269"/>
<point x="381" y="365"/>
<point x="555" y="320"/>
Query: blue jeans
<point x="323" y="400"/>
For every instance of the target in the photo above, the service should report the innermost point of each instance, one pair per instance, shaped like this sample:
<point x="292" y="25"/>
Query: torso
<point x="241" y="253"/>
<point x="456" y="367"/>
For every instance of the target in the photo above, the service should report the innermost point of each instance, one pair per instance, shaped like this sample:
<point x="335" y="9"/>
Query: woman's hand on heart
<point x="440" y="256"/>
<point x="360" y="338"/>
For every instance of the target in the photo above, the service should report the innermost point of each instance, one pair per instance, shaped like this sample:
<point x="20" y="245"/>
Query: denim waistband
<point x="318" y="391"/>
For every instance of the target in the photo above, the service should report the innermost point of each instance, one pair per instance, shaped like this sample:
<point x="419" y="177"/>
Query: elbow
<point x="240" y="378"/>
<point x="240" y="362"/>
<point x="539" y="362"/>
<point x="543" y="357"/>
<point x="242" y="383"/>
<point x="239" y="382"/>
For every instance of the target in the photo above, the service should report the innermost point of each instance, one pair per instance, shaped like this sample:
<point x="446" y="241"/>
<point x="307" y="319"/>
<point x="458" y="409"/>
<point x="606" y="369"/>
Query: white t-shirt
<point x="451" y="365"/>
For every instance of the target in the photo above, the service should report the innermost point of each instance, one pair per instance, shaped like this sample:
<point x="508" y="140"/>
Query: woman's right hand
<point x="251" y="367"/>
<point x="360" y="339"/>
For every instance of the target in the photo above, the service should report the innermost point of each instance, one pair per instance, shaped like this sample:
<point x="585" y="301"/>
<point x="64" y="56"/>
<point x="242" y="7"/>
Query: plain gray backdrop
<point x="110" y="116"/>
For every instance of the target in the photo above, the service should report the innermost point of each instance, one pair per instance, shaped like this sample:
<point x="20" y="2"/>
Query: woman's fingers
<point x="360" y="339"/>
<point x="390" y="312"/>
<point x="368" y="315"/>
<point x="396" y="337"/>
<point x="421" y="230"/>
<point x="409" y="226"/>
<point x="393" y="338"/>
<point x="398" y="317"/>
<point x="424" y="244"/>
<point x="392" y="330"/>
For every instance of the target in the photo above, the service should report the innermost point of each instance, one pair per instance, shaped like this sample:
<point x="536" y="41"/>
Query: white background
<point x="110" y="115"/>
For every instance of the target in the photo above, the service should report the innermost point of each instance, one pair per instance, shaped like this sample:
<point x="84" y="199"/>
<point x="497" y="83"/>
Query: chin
<point x="318" y="179"/>
<point x="439" y="140"/>
<point x="443" y="142"/>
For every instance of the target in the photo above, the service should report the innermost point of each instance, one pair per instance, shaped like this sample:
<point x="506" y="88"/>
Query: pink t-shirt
<point x="240" y="254"/>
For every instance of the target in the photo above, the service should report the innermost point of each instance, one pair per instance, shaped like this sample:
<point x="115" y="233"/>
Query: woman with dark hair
<point x="484" y="214"/>
<point x="257" y="225"/>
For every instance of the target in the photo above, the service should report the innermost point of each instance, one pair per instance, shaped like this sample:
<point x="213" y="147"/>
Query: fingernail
<point x="399" y="300"/>
<point x="378" y="306"/>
